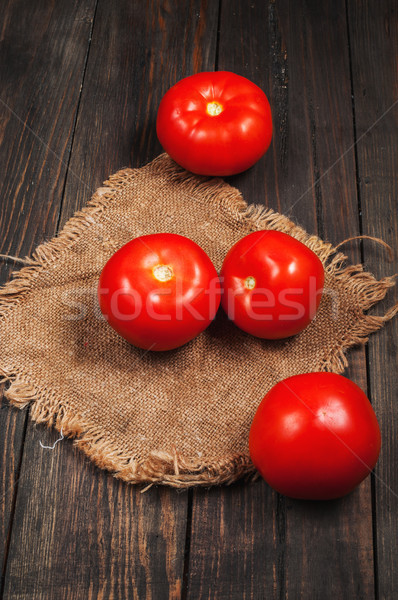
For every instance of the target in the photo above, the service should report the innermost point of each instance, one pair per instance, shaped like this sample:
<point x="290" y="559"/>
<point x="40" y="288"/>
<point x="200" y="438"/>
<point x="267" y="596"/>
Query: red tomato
<point x="159" y="291"/>
<point x="215" y="123"/>
<point x="272" y="284"/>
<point x="315" y="436"/>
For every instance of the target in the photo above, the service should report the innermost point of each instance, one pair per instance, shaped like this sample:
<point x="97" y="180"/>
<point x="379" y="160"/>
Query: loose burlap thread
<point x="180" y="417"/>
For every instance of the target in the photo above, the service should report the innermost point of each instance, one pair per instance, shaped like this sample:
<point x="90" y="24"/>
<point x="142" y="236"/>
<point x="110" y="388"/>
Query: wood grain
<point x="79" y="533"/>
<point x="294" y="52"/>
<point x="84" y="534"/>
<point x="43" y="49"/>
<point x="374" y="48"/>
<point x="12" y="426"/>
<point x="237" y="543"/>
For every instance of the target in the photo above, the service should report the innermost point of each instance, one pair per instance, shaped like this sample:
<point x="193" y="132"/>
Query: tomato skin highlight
<point x="159" y="291"/>
<point x="272" y="284"/>
<point x="215" y="123"/>
<point x="315" y="436"/>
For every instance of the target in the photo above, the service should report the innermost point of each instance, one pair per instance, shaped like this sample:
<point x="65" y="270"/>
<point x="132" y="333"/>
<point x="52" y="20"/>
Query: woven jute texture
<point x="180" y="417"/>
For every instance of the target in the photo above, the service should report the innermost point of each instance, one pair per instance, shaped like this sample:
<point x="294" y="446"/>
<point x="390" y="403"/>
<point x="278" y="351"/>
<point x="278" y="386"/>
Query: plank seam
<point x="90" y="37"/>
<point x="362" y="254"/>
<point x="218" y="37"/>
<point x="17" y="478"/>
<point x="187" y="548"/>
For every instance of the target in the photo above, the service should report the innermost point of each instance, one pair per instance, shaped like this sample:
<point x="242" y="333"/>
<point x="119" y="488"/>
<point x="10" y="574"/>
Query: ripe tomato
<point x="315" y="436"/>
<point x="272" y="284"/>
<point x="215" y="123"/>
<point x="159" y="291"/>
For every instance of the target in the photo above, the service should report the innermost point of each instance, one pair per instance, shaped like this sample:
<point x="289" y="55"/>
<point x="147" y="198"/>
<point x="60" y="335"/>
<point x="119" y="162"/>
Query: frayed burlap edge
<point x="171" y="468"/>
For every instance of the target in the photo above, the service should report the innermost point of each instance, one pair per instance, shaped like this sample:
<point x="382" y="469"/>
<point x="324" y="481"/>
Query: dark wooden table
<point x="81" y="81"/>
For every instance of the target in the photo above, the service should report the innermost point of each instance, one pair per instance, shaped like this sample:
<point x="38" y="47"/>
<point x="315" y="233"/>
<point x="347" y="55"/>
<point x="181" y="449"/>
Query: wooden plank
<point x="11" y="441"/>
<point x="374" y="47"/>
<point x="43" y="50"/>
<point x="313" y="550"/>
<point x="237" y="547"/>
<point x="336" y="534"/>
<point x="78" y="532"/>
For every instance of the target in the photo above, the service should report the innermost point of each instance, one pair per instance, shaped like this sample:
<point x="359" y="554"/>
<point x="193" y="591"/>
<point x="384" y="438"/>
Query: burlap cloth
<point x="180" y="417"/>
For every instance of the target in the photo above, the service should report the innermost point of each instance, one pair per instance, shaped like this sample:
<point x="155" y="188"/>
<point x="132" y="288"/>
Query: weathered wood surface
<point x="42" y="58"/>
<point x="80" y="86"/>
<point x="374" y="44"/>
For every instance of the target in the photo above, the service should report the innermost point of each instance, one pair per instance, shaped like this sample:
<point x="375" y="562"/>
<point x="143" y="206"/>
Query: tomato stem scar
<point x="163" y="272"/>
<point x="250" y="282"/>
<point x="214" y="108"/>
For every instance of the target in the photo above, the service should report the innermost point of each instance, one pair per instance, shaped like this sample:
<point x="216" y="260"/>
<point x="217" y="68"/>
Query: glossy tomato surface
<point x="272" y="284"/>
<point x="159" y="291"/>
<point x="215" y="123"/>
<point x="315" y="436"/>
